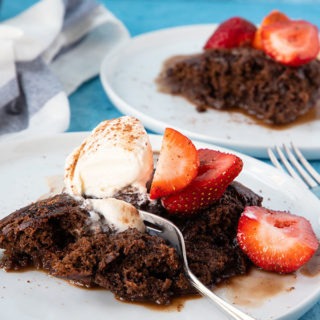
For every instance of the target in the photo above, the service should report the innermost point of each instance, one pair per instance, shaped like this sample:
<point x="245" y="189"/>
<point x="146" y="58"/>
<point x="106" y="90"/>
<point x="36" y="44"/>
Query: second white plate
<point x="128" y="76"/>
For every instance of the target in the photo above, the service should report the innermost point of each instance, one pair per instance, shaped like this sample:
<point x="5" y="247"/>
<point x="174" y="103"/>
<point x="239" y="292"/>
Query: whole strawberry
<point x="232" y="33"/>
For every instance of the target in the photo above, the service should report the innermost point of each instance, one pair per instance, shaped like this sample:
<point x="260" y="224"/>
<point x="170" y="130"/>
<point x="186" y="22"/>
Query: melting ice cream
<point x="116" y="155"/>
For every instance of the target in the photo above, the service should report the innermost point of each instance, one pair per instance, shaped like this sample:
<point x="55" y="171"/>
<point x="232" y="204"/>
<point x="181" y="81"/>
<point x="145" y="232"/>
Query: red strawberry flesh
<point x="232" y="33"/>
<point x="273" y="17"/>
<point x="216" y="171"/>
<point x="177" y="164"/>
<point x="276" y="240"/>
<point x="291" y="43"/>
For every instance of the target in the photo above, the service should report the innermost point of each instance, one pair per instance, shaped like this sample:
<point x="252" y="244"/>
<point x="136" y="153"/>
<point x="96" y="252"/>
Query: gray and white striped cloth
<point x="46" y="53"/>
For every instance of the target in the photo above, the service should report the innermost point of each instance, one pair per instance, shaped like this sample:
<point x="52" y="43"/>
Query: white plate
<point x="128" y="76"/>
<point x="25" y="167"/>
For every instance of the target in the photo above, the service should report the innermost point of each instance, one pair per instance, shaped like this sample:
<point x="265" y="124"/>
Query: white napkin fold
<point x="46" y="53"/>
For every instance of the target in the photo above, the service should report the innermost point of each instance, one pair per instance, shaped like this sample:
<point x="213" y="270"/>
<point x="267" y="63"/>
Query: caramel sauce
<point x="256" y="287"/>
<point x="312" y="267"/>
<point x="176" y="305"/>
<point x="25" y="270"/>
<point x="250" y="290"/>
<point x="241" y="116"/>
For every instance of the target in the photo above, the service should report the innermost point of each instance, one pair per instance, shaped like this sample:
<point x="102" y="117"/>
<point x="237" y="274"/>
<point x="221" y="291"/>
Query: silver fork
<point x="167" y="230"/>
<point x="297" y="166"/>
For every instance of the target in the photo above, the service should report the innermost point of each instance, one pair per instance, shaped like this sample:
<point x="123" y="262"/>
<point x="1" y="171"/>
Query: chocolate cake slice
<point x="59" y="235"/>
<point x="245" y="78"/>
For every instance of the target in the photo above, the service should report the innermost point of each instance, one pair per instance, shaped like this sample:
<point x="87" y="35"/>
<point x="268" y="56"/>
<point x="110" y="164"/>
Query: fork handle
<point x="226" y="307"/>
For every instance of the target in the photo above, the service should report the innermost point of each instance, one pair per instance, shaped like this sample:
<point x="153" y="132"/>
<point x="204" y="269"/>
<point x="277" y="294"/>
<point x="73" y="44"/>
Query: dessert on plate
<point x="92" y="234"/>
<point x="270" y="72"/>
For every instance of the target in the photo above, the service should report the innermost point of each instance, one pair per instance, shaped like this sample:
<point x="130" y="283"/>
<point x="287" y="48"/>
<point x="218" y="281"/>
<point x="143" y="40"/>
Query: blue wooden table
<point x="90" y="105"/>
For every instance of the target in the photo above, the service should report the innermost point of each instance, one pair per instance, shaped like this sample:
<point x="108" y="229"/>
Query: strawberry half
<point x="291" y="43"/>
<point x="177" y="164"/>
<point x="273" y="17"/>
<point x="232" y="33"/>
<point x="276" y="240"/>
<point x="216" y="171"/>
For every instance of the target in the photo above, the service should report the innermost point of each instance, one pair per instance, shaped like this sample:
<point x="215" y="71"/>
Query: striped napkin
<point x="46" y="53"/>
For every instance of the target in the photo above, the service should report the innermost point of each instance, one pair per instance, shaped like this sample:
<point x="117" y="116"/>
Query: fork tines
<point x="295" y="164"/>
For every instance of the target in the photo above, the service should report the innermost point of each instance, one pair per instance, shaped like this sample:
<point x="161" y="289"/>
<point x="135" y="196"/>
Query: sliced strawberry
<point x="292" y="43"/>
<point x="177" y="164"/>
<point x="273" y="17"/>
<point x="232" y="33"/>
<point x="216" y="171"/>
<point x="276" y="240"/>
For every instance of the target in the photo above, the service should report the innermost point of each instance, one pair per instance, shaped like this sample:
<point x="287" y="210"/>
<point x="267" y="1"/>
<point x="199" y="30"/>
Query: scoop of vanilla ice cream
<point x="117" y="154"/>
<point x="117" y="213"/>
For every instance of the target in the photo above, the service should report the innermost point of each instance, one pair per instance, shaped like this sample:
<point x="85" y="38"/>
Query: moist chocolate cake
<point x="58" y="235"/>
<point x="245" y="78"/>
